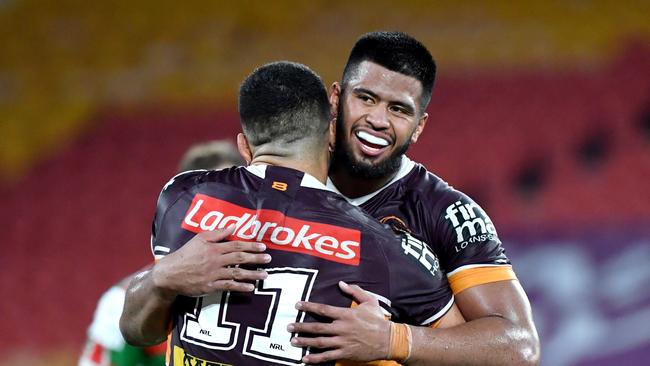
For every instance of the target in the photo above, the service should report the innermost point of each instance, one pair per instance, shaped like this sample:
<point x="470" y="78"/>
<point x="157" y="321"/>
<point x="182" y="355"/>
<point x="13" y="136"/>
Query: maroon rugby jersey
<point x="316" y="239"/>
<point x="457" y="229"/>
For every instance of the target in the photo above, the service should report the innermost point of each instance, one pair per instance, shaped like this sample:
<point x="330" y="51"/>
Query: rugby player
<point x="105" y="345"/>
<point x="316" y="237"/>
<point x="380" y="105"/>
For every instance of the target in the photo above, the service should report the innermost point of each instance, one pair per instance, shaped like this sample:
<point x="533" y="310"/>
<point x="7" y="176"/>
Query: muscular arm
<point x="499" y="331"/>
<point x="361" y="333"/>
<point x="200" y="267"/>
<point x="147" y="311"/>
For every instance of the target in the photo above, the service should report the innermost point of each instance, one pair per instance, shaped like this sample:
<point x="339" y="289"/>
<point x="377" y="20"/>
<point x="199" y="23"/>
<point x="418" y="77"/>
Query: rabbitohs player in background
<point x="105" y="345"/>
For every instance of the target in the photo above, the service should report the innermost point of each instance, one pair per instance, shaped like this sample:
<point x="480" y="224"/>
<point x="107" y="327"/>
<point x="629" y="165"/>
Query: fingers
<point x="335" y="343"/>
<point x="313" y="328"/>
<point x="359" y="294"/>
<point x="332" y="355"/>
<point x="217" y="235"/>
<point x="318" y="342"/>
<point x="240" y="246"/>
<point x="230" y="285"/>
<point x="240" y="274"/>
<point x="328" y="311"/>
<point x="233" y="279"/>
<point x="243" y="258"/>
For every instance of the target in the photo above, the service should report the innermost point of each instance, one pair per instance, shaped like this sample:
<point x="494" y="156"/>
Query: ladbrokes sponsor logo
<point x="276" y="230"/>
<point x="470" y="222"/>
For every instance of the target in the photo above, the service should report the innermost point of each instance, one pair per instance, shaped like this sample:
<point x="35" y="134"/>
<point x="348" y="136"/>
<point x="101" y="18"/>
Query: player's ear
<point x="335" y="94"/>
<point x="331" y="139"/>
<point x="418" y="130"/>
<point x="244" y="148"/>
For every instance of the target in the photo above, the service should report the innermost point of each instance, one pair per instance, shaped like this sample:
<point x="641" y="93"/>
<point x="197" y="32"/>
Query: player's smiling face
<point x="378" y="118"/>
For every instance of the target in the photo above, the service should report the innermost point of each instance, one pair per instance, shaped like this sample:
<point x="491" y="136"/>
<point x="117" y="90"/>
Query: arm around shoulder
<point x="499" y="330"/>
<point x="147" y="311"/>
<point x="201" y="266"/>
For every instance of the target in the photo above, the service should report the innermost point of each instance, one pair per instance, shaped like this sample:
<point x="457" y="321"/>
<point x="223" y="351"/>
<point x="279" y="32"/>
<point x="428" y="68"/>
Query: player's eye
<point x="400" y="110"/>
<point x="365" y="98"/>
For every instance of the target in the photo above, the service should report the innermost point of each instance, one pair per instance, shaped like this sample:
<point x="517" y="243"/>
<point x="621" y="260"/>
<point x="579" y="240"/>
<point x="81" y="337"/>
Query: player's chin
<point x="372" y="161"/>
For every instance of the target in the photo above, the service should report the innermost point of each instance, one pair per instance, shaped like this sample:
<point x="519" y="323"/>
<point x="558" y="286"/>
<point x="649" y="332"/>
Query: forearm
<point x="491" y="340"/>
<point x="147" y="312"/>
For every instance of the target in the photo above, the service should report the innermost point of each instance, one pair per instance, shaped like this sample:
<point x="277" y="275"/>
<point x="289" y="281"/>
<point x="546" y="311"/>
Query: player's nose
<point x="378" y="117"/>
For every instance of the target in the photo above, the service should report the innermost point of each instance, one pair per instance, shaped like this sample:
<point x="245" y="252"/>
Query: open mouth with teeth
<point x="371" y="145"/>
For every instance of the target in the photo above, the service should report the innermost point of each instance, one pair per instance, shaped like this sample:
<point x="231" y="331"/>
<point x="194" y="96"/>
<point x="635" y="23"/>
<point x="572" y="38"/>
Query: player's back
<point x="315" y="238"/>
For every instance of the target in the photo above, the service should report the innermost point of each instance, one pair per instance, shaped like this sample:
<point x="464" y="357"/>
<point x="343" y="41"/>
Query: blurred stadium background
<point x="541" y="113"/>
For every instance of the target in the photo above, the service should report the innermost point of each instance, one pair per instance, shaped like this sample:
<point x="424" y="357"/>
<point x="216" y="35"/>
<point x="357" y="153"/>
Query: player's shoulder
<point x="192" y="178"/>
<point x="429" y="189"/>
<point x="188" y="182"/>
<point x="336" y="209"/>
<point x="350" y="215"/>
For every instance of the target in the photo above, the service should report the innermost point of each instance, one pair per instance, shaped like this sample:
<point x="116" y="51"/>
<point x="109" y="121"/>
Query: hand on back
<point x="205" y="265"/>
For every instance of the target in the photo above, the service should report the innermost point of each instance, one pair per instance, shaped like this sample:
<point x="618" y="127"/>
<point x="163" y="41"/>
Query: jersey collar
<point x="406" y="165"/>
<point x="308" y="180"/>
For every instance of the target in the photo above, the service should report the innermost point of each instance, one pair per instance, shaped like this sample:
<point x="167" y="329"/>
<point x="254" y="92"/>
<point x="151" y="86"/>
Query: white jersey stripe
<point x="406" y="166"/>
<point x="308" y="180"/>
<point x="380" y="298"/>
<point x="439" y="314"/>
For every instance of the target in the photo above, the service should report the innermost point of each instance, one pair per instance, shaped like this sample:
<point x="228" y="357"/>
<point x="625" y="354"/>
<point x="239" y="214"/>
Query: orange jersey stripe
<point x="436" y="323"/>
<point x="479" y="276"/>
<point x="372" y="363"/>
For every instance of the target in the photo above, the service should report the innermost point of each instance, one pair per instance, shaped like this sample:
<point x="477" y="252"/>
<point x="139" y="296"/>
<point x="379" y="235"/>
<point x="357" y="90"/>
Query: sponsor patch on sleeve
<point x="470" y="223"/>
<point x="419" y="250"/>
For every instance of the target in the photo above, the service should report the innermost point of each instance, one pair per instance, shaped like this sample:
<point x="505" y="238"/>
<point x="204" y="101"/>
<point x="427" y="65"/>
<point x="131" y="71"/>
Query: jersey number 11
<point x="207" y="325"/>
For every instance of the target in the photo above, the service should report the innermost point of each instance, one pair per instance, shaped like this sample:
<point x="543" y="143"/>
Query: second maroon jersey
<point x="456" y="228"/>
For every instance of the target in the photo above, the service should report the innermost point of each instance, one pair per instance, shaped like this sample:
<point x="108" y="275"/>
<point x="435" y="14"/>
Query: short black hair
<point x="397" y="52"/>
<point x="283" y="102"/>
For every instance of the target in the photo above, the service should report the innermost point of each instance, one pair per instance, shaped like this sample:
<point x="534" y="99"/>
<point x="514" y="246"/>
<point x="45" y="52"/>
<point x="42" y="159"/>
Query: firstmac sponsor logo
<point x="470" y="222"/>
<point x="276" y="230"/>
<point x="420" y="251"/>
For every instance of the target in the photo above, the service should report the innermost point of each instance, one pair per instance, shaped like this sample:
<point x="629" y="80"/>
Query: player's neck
<point x="353" y="186"/>
<point x="315" y="167"/>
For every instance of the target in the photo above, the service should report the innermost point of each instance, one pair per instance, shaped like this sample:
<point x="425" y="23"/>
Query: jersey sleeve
<point x="468" y="244"/>
<point x="165" y="238"/>
<point x="419" y="291"/>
